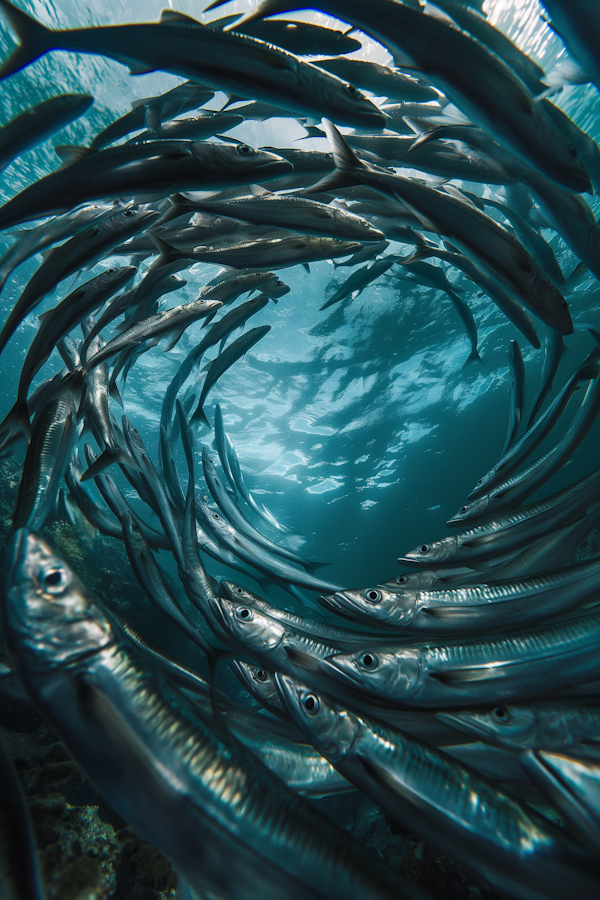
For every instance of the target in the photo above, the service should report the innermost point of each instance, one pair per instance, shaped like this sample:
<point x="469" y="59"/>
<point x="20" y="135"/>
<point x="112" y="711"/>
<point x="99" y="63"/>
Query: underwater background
<point x="357" y="426"/>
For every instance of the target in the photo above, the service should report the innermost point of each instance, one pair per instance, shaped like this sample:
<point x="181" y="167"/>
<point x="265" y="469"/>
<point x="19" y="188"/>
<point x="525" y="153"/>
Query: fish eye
<point x="239" y="590"/>
<point x="243" y="613"/>
<point x="261" y="675"/>
<point x="572" y="150"/>
<point x="369" y="661"/>
<point x="424" y="548"/>
<point x="311" y="704"/>
<point x="501" y="714"/>
<point x="372" y="596"/>
<point x="109" y="271"/>
<point x="463" y="509"/>
<point x="216" y="516"/>
<point x="351" y="89"/>
<point x="480" y="481"/>
<point x="402" y="579"/>
<point x="129" y="213"/>
<point x="245" y="150"/>
<point x="55" y="580"/>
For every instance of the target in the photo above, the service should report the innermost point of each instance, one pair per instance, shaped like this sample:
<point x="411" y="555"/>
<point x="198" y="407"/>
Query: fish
<point x="296" y="213"/>
<point x="574" y="787"/>
<point x="83" y="249"/>
<point x="510" y="531"/>
<point x="544" y="724"/>
<point x="553" y="354"/>
<point x="151" y="112"/>
<point x="475" y="670"/>
<point x="218" y="366"/>
<point x="489" y="831"/>
<point x="577" y="28"/>
<point x="355" y="284"/>
<point x="383" y="81"/>
<point x="257" y="556"/>
<point x="198" y="128"/>
<point x="276" y="253"/>
<point x="130" y="731"/>
<point x="48" y="455"/>
<point x="514" y="490"/>
<point x="516" y="401"/>
<point x="304" y="38"/>
<point x="472" y="230"/>
<point x="171" y="322"/>
<point x="35" y="240"/>
<point x="183" y="46"/>
<point x="145" y="171"/>
<point x="476" y="607"/>
<point x="476" y="80"/>
<point x="476" y="273"/>
<point x="513" y="458"/>
<point x="36" y="124"/>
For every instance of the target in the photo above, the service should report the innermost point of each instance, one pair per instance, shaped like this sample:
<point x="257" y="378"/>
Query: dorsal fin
<point x="170" y="16"/>
<point x="70" y="153"/>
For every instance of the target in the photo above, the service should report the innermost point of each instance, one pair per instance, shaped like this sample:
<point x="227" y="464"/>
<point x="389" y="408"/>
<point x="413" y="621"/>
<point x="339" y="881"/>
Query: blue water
<point x="356" y="426"/>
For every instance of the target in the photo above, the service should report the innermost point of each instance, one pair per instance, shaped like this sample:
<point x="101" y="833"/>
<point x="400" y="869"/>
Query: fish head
<point x="51" y="618"/>
<point x="476" y="509"/>
<point x="239" y="163"/>
<point x="237" y="593"/>
<point x="115" y="278"/>
<point x="389" y="674"/>
<point x="378" y="604"/>
<point x="129" y="220"/>
<point x="548" y="302"/>
<point x="259" y="682"/>
<point x="331" y="729"/>
<point x="356" y="228"/>
<point x="504" y="726"/>
<point x="562" y="160"/>
<point x="413" y="581"/>
<point x="347" y="104"/>
<point x="275" y="289"/>
<point x="433" y="553"/>
<point x="247" y="626"/>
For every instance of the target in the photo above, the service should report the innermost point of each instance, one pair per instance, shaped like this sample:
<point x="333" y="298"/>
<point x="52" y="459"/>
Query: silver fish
<point x="487" y="830"/>
<point x="131" y="733"/>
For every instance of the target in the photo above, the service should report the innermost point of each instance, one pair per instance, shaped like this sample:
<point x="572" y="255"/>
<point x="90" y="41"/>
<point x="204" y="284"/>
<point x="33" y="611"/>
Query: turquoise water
<point x="356" y="426"/>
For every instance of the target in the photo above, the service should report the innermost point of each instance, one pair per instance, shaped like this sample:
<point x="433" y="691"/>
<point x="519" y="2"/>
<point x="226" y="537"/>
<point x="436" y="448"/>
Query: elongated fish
<point x="477" y="81"/>
<point x="498" y="251"/>
<point x="476" y="670"/>
<point x="149" y="170"/>
<point x="185" y="47"/>
<point x="37" y="123"/>
<point x="472" y="608"/>
<point x="489" y="831"/>
<point x="224" y="821"/>
<point x="516" y="400"/>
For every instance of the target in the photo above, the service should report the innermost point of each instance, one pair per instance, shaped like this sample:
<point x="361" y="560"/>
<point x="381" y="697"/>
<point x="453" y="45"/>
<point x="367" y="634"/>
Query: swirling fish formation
<point x="493" y="633"/>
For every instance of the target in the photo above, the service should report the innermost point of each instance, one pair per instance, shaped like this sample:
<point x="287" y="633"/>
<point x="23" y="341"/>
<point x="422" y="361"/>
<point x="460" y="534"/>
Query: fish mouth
<point x="219" y="618"/>
<point x="332" y="602"/>
<point x="230" y="590"/>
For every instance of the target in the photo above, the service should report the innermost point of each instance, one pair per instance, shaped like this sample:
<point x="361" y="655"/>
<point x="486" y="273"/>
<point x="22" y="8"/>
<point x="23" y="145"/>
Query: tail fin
<point x="473" y="357"/>
<point x="34" y="39"/>
<point x="347" y="164"/>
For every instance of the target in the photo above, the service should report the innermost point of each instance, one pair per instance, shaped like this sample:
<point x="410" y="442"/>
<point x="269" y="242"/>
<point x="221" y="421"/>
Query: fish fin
<point x="17" y="419"/>
<point x="172" y="338"/>
<point x="115" y="394"/>
<point x="200" y="416"/>
<point x="473" y="357"/>
<point x="306" y="267"/>
<point x="257" y="190"/>
<point x="34" y="39"/>
<point x="107" y="459"/>
<point x="140" y="68"/>
<point x="168" y="16"/>
<point x="70" y="153"/>
<point x="206" y="367"/>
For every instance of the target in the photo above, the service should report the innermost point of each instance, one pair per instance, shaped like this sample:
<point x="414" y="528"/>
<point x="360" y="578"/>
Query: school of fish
<point x="461" y="697"/>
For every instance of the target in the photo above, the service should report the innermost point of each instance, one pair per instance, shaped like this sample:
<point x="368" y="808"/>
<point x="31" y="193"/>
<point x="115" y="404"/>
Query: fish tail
<point x="16" y="420"/>
<point x="200" y="416"/>
<point x="34" y="39"/>
<point x="348" y="166"/>
<point x="107" y="459"/>
<point x="473" y="357"/>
